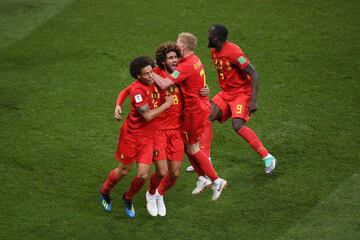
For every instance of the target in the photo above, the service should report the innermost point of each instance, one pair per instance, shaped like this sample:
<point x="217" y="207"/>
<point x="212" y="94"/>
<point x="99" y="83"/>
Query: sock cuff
<point x="241" y="131"/>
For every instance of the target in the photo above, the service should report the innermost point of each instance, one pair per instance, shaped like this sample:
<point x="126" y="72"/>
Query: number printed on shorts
<point x="239" y="108"/>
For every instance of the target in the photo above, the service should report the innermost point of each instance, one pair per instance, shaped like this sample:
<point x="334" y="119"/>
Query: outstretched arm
<point x="249" y="69"/>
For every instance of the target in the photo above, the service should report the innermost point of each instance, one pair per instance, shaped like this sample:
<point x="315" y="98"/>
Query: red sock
<point x="206" y="165"/>
<point x="110" y="182"/>
<point x="154" y="183"/>
<point x="135" y="187"/>
<point x="195" y="165"/>
<point x="206" y="138"/>
<point x="166" y="183"/>
<point x="250" y="136"/>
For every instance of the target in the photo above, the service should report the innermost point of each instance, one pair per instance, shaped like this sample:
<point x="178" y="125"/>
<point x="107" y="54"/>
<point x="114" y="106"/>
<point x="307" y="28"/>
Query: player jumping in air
<point x="239" y="84"/>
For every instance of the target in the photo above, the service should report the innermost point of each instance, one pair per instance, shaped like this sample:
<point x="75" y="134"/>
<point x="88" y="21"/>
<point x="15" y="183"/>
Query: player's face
<point x="171" y="61"/>
<point x="145" y="75"/>
<point x="212" y="40"/>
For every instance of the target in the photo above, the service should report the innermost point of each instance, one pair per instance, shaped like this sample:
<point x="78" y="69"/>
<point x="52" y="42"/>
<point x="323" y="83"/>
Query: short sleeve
<point x="138" y="97"/>
<point x="180" y="74"/>
<point x="238" y="58"/>
<point x="124" y="94"/>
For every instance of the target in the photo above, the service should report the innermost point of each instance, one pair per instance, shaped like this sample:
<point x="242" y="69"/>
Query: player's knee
<point x="237" y="125"/>
<point x="192" y="148"/>
<point x="191" y="151"/>
<point x="215" y="113"/>
<point x="174" y="174"/>
<point x="143" y="177"/>
<point x="122" y="171"/>
<point x="162" y="173"/>
<point x="212" y="117"/>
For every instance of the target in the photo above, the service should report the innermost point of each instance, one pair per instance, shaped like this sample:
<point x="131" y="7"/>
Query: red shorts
<point x="133" y="148"/>
<point x="194" y="123"/>
<point x="236" y="108"/>
<point x="168" y="145"/>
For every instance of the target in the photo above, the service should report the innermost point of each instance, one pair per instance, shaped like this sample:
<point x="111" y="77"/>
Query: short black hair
<point x="139" y="63"/>
<point x="220" y="31"/>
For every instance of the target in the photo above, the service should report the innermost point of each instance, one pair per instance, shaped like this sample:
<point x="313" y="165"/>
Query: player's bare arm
<point x="162" y="82"/>
<point x="120" y="100"/>
<point x="249" y="69"/>
<point x="150" y="114"/>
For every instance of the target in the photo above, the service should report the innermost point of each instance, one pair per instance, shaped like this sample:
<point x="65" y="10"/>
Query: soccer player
<point x="190" y="76"/>
<point x="239" y="84"/>
<point x="168" y="143"/>
<point x="136" y="135"/>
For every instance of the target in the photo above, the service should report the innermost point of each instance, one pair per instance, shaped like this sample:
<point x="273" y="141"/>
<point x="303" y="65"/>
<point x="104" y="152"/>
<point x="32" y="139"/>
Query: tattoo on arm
<point x="144" y="109"/>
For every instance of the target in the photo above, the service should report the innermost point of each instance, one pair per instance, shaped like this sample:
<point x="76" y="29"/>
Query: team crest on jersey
<point x="171" y="89"/>
<point x="138" y="98"/>
<point x="155" y="96"/>
<point x="175" y="74"/>
<point x="156" y="153"/>
<point x="228" y="66"/>
<point x="241" y="60"/>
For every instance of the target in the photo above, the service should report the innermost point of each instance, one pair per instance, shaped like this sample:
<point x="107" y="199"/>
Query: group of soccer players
<point x="171" y="114"/>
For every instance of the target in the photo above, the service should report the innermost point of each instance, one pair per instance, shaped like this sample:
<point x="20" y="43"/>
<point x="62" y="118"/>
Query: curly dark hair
<point x="163" y="49"/>
<point x="139" y="63"/>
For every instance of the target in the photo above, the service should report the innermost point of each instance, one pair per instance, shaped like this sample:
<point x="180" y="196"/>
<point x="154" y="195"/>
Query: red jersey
<point x="190" y="76"/>
<point x="140" y="95"/>
<point x="229" y="64"/>
<point x="171" y="118"/>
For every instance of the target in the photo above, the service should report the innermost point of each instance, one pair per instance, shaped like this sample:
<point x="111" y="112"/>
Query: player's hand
<point x="205" y="91"/>
<point x="252" y="107"/>
<point x="169" y="100"/>
<point x="118" y="112"/>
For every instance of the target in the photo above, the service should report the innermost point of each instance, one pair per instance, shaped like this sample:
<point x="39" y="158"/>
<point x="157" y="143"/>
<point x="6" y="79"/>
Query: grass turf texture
<point x="62" y="64"/>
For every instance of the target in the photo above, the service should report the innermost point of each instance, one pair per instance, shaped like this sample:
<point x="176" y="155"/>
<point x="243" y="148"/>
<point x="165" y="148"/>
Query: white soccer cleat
<point x="190" y="169"/>
<point x="161" y="209"/>
<point x="217" y="187"/>
<point x="151" y="204"/>
<point x="202" y="183"/>
<point x="270" y="164"/>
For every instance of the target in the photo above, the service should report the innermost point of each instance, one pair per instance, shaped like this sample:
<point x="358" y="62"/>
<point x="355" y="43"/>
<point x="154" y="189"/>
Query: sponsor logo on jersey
<point x="241" y="60"/>
<point x="138" y="98"/>
<point x="175" y="74"/>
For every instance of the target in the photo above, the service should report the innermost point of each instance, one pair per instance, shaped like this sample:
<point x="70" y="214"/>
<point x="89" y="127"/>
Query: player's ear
<point x="138" y="76"/>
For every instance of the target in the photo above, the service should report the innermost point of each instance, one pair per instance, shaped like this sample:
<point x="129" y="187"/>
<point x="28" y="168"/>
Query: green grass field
<point x="62" y="64"/>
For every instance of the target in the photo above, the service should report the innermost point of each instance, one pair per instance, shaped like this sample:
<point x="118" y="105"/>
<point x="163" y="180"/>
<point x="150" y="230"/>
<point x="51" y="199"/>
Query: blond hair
<point x="189" y="40"/>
